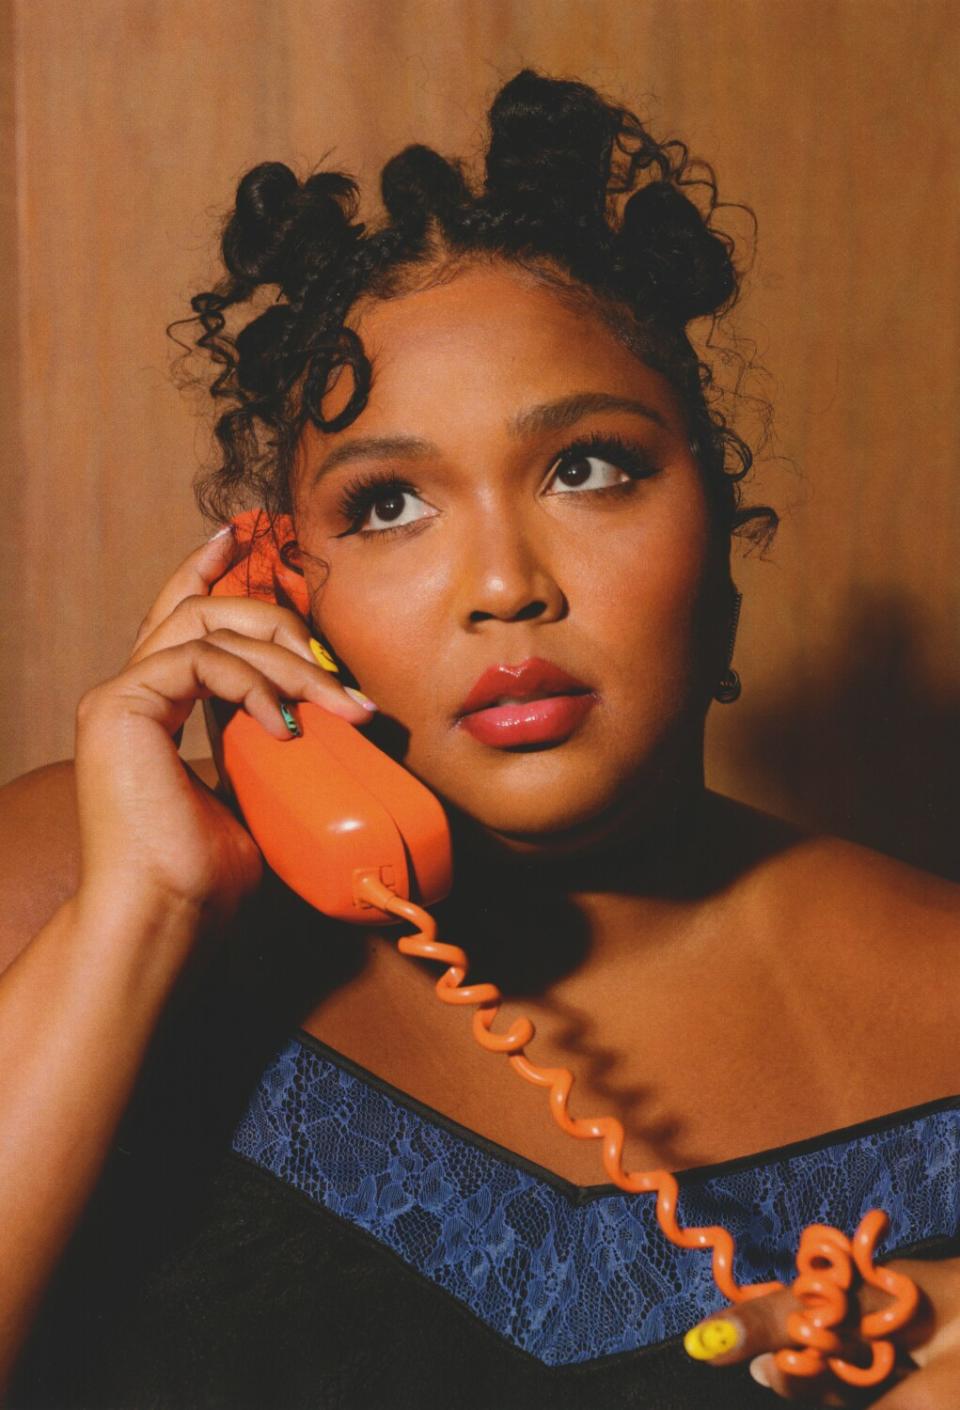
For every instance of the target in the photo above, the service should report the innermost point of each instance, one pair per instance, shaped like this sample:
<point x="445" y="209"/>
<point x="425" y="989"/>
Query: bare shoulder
<point x="841" y="883"/>
<point x="40" y="850"/>
<point x="861" y="916"/>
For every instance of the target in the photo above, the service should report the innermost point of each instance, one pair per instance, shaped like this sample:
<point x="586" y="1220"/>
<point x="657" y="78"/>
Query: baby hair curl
<point x="576" y="191"/>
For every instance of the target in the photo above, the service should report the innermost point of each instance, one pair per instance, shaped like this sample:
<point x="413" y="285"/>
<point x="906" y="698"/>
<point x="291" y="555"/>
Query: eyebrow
<point x="532" y="421"/>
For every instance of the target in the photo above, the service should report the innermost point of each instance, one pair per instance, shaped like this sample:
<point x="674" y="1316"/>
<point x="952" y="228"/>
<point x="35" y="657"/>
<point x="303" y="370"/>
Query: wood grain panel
<point x="14" y="716"/>
<point x="836" y="120"/>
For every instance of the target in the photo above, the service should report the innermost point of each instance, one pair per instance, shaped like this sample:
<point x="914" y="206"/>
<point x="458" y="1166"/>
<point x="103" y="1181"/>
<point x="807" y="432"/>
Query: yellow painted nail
<point x="713" y="1338"/>
<point x="323" y="657"/>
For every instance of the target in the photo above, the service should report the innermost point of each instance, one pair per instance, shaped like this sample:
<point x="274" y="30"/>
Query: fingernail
<point x="758" y="1370"/>
<point x="360" y="698"/>
<point x="289" y="718"/>
<point x="323" y="657"/>
<point x="221" y="533"/>
<point x="713" y="1338"/>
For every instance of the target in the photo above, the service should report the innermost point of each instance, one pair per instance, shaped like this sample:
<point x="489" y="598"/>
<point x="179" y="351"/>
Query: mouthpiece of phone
<point x="329" y="806"/>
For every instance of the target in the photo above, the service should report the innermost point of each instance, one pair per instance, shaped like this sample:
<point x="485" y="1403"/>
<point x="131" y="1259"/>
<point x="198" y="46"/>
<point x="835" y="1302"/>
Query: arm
<point x="39" y="853"/>
<point x="154" y="860"/>
<point x="77" y="1008"/>
<point x="40" y="849"/>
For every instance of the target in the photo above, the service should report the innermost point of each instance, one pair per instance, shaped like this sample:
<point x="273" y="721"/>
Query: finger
<point x="195" y="576"/>
<point x="936" y="1387"/>
<point x="761" y="1324"/>
<point x="935" y="1327"/>
<point x="164" y="687"/>
<point x="823" y="1389"/>
<point x="199" y="615"/>
<point x="294" y="677"/>
<point x="760" y="1327"/>
<point x="764" y="1371"/>
<point x="755" y="1326"/>
<point x="234" y="620"/>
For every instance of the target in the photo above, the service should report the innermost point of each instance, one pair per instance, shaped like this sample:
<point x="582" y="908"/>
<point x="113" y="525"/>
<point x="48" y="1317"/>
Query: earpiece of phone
<point x="328" y="808"/>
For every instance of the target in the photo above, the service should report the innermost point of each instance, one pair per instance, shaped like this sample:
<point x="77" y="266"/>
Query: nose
<point x="506" y="576"/>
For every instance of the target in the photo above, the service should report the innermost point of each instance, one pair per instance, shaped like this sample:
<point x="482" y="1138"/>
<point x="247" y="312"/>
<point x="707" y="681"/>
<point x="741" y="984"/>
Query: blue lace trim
<point x="564" y="1278"/>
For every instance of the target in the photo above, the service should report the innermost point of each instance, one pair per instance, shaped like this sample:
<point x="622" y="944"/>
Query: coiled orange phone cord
<point x="826" y="1258"/>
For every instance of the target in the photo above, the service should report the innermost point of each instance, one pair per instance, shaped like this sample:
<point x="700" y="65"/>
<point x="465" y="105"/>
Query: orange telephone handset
<point x="363" y="840"/>
<point x="328" y="810"/>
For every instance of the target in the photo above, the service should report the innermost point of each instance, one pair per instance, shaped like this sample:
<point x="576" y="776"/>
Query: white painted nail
<point x="221" y="533"/>
<point x="758" y="1370"/>
<point x="360" y="698"/>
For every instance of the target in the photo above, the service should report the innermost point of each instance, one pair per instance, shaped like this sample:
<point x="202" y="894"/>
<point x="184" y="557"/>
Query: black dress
<point x="278" y="1228"/>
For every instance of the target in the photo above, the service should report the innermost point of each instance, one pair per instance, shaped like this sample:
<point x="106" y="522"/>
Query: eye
<point x="600" y="463"/>
<point x="376" y="505"/>
<point x="586" y="470"/>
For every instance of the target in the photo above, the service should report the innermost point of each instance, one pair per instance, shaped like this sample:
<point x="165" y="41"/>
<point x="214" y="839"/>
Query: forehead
<point x="480" y="346"/>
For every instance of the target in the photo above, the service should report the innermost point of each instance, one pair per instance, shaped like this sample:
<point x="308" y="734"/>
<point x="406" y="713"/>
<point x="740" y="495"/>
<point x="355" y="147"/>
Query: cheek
<point x="652" y="585"/>
<point x="636" y="594"/>
<point x="383" y="634"/>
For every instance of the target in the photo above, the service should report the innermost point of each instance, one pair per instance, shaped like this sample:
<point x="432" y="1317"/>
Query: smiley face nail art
<point x="713" y="1338"/>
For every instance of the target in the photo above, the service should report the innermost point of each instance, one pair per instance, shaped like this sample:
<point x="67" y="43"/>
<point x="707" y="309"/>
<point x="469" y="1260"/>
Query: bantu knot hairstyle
<point x="575" y="189"/>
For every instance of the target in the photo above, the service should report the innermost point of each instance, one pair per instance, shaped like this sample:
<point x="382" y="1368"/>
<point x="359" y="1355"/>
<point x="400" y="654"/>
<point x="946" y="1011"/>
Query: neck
<point x="527" y="914"/>
<point x="640" y="845"/>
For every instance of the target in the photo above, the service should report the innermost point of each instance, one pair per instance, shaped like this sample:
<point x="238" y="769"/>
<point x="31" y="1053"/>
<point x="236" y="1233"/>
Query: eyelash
<point x="359" y="498"/>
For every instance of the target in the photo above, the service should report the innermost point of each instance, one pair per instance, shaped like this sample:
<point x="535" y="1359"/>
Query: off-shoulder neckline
<point x="578" y="1194"/>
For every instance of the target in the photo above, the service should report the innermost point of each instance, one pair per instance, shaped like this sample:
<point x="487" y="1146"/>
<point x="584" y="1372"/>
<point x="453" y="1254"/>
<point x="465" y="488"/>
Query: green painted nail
<point x="289" y="719"/>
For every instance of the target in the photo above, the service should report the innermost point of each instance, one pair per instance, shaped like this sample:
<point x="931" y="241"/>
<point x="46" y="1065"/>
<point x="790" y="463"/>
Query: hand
<point x="148" y="824"/>
<point x="927" y="1372"/>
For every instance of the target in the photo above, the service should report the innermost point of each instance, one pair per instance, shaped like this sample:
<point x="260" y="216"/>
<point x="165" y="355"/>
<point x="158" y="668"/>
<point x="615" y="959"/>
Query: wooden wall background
<point x="124" y="126"/>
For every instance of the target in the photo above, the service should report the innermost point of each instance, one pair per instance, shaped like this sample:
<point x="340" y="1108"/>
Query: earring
<point x="728" y="686"/>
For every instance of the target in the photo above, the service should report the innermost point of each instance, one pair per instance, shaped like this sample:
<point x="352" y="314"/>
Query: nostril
<point x="531" y="609"/>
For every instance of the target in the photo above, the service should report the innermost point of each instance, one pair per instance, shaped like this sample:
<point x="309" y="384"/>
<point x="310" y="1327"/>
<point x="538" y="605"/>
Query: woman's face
<point x="465" y="525"/>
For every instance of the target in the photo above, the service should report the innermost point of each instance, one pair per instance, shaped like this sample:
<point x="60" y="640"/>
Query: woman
<point x="506" y="484"/>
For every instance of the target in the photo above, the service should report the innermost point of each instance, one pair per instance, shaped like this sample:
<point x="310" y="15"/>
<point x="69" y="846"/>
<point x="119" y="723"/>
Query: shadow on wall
<point x="868" y="745"/>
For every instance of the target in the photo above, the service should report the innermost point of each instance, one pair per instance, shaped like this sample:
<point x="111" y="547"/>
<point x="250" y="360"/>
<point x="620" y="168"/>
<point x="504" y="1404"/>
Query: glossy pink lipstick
<point x="533" y="703"/>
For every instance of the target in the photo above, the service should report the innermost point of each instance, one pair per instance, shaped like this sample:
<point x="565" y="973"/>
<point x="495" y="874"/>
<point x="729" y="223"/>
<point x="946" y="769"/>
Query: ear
<point x="288" y="570"/>
<point x="268" y="562"/>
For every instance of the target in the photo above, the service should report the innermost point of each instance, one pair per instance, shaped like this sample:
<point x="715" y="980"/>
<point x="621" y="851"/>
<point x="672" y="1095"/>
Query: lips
<point x="531" y="705"/>
<point x="534" y="679"/>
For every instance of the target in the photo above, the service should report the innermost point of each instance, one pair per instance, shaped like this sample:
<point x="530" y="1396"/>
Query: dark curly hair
<point x="576" y="191"/>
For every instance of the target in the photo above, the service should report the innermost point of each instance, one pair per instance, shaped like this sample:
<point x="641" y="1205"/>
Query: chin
<point x="566" y="806"/>
<point x="568" y="798"/>
<point x="544" y="821"/>
<point x="589" y="838"/>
